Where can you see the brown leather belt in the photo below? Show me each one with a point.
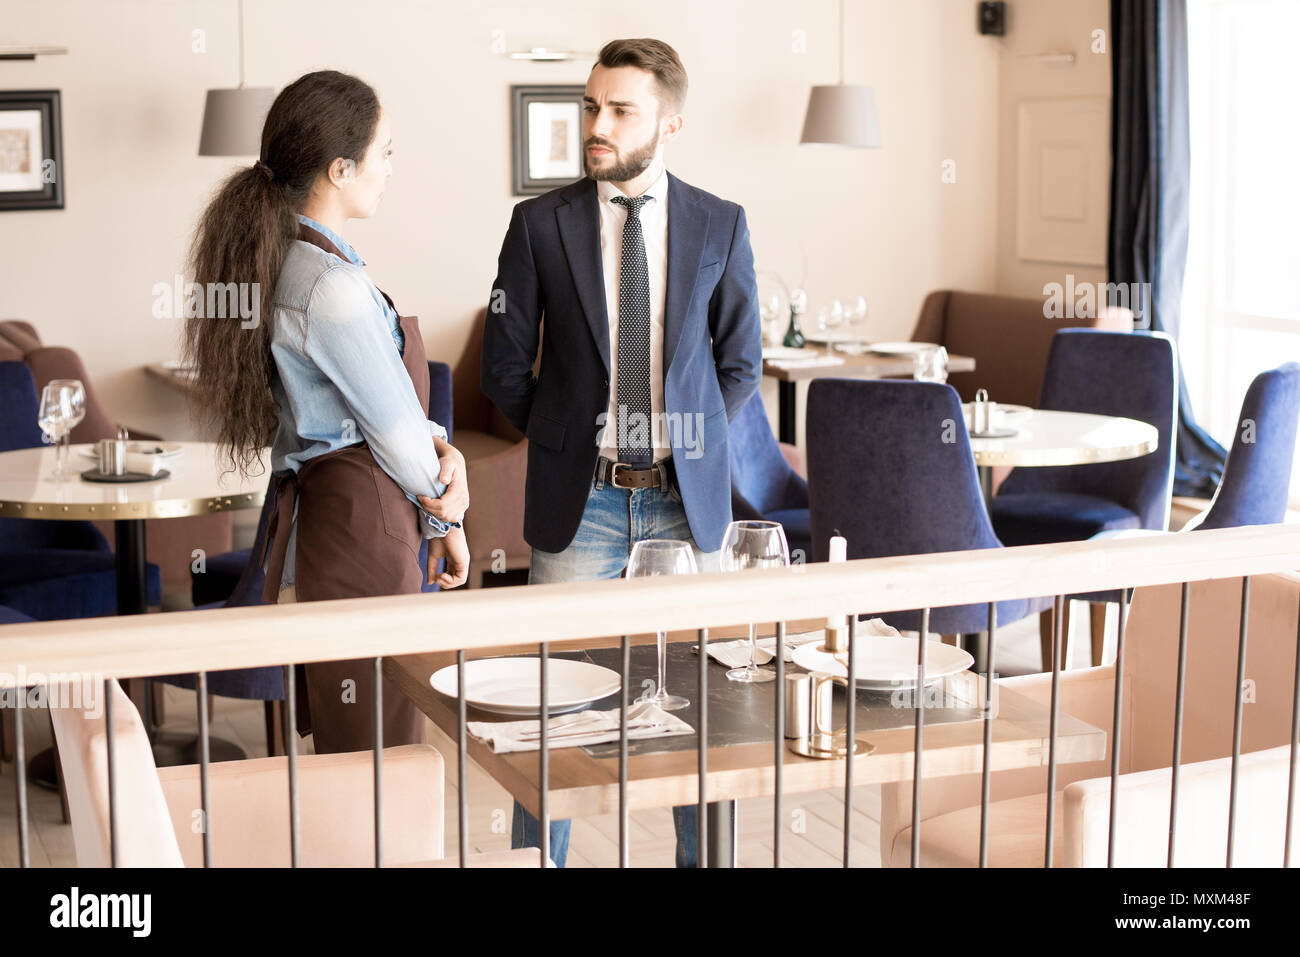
(622, 475)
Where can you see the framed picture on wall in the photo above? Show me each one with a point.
(31, 150)
(546, 123)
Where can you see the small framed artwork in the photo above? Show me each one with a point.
(31, 150)
(546, 122)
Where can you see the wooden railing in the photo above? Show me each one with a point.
(527, 614)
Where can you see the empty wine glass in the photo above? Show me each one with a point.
(62, 408)
(753, 545)
(658, 556)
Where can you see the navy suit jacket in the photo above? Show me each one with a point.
(550, 291)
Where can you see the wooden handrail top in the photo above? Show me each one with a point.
(184, 642)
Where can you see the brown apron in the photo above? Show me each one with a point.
(358, 536)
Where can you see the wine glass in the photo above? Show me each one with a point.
(857, 318)
(62, 408)
(658, 556)
(753, 545)
(930, 364)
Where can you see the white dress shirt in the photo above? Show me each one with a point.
(654, 229)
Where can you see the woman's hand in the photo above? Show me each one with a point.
(454, 502)
(452, 547)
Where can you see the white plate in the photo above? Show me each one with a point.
(169, 449)
(884, 664)
(834, 335)
(899, 348)
(787, 353)
(512, 685)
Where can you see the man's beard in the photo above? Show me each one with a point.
(632, 165)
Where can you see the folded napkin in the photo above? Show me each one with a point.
(644, 720)
(143, 464)
(735, 654)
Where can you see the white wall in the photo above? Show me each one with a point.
(879, 222)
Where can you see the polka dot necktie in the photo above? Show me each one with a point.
(633, 385)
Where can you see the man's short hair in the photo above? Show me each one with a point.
(653, 56)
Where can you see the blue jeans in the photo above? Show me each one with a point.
(612, 522)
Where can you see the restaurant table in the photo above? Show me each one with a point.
(197, 485)
(183, 380)
(663, 772)
(1044, 437)
(869, 365)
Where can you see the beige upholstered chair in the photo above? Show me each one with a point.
(950, 816)
(159, 819)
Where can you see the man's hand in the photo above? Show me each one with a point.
(453, 548)
(454, 502)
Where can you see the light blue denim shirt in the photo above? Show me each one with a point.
(339, 377)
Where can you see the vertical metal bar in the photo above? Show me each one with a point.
(986, 777)
(1295, 750)
(918, 702)
(1236, 719)
(291, 752)
(109, 743)
(544, 761)
(20, 775)
(850, 737)
(623, 856)
(379, 762)
(1178, 718)
(204, 761)
(778, 746)
(1058, 613)
(702, 693)
(1117, 726)
(462, 771)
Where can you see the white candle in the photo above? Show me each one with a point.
(839, 551)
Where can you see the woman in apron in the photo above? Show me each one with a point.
(324, 369)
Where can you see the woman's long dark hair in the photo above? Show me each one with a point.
(243, 237)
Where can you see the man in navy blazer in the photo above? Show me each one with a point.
(639, 291)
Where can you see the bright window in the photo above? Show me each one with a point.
(1241, 309)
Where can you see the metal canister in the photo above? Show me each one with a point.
(112, 456)
(798, 691)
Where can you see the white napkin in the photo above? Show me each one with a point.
(644, 720)
(820, 360)
(144, 464)
(735, 654)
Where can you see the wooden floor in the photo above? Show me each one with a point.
(814, 822)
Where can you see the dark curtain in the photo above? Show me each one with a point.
(1149, 193)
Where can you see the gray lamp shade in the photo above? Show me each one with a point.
(841, 115)
(232, 121)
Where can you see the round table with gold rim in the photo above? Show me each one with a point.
(1045, 437)
(198, 484)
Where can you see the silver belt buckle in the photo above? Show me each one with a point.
(613, 474)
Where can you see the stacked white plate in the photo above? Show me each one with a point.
(884, 664)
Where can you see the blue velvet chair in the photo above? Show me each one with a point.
(223, 572)
(1131, 374)
(763, 485)
(51, 569)
(1257, 475)
(887, 469)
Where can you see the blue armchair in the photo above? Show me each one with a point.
(763, 485)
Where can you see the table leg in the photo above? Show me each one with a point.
(787, 411)
(986, 486)
(724, 843)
